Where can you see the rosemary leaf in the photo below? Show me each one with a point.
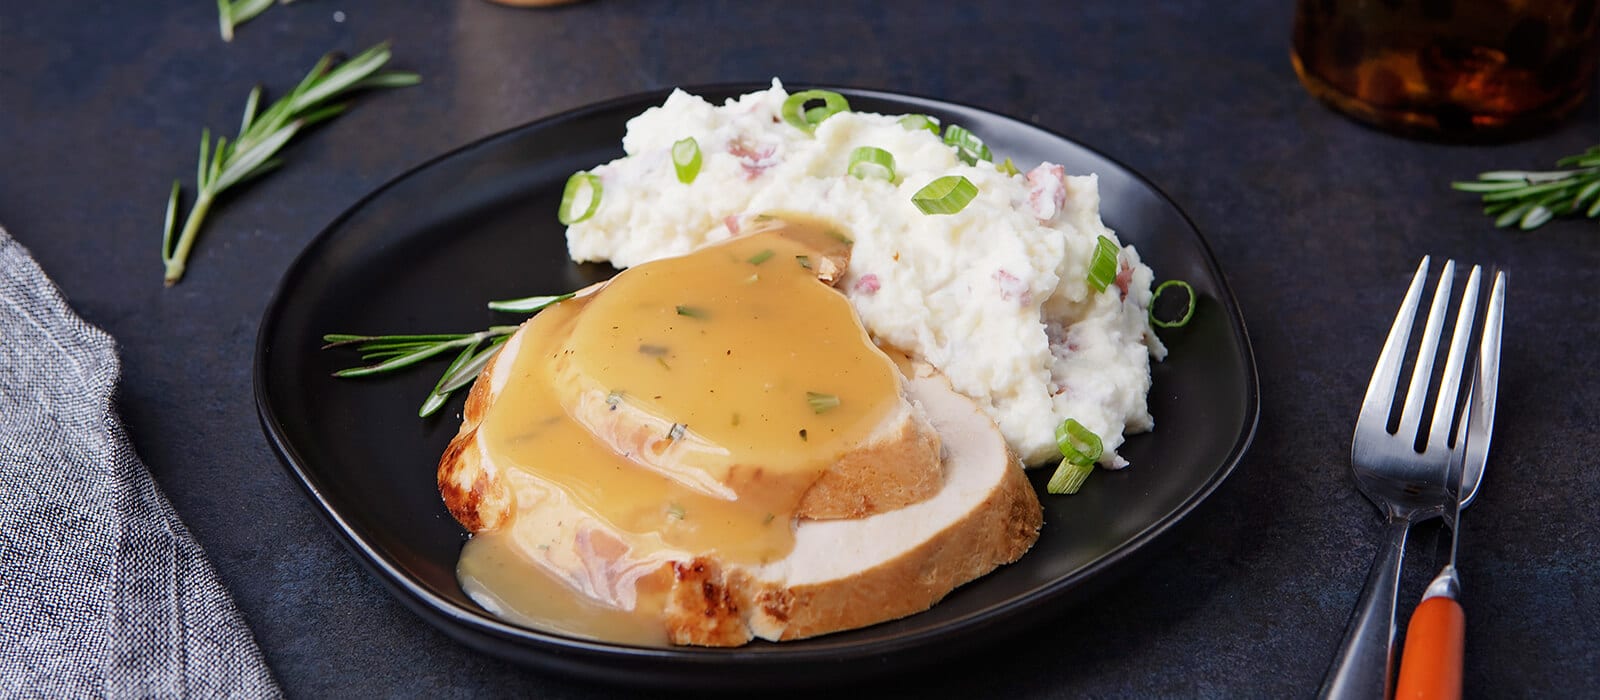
(241, 164)
(470, 370)
(527, 305)
(232, 14)
(436, 398)
(250, 105)
(263, 133)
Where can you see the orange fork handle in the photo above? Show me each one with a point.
(1430, 665)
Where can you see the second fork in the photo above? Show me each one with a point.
(1402, 471)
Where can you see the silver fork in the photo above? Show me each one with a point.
(1407, 485)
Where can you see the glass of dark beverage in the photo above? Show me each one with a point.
(1468, 70)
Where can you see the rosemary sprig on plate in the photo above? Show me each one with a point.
(262, 134)
(1529, 199)
(388, 353)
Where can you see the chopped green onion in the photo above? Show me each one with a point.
(583, 190)
(945, 195)
(1008, 168)
(869, 161)
(686, 159)
(804, 260)
(1077, 443)
(1068, 478)
(913, 122)
(761, 257)
(1103, 266)
(677, 431)
(821, 403)
(1080, 448)
(613, 398)
(527, 305)
(839, 236)
(795, 112)
(691, 312)
(675, 511)
(1188, 311)
(969, 148)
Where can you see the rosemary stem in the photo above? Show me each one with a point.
(191, 229)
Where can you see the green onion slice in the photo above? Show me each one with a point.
(945, 195)
(686, 159)
(1188, 311)
(691, 311)
(821, 403)
(761, 257)
(913, 122)
(795, 111)
(1008, 168)
(1078, 444)
(1103, 266)
(969, 148)
(1068, 478)
(580, 198)
(869, 161)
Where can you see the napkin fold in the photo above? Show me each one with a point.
(103, 591)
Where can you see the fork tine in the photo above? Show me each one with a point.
(1488, 383)
(1444, 408)
(1386, 376)
(1411, 417)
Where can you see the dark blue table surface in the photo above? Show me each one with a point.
(1318, 223)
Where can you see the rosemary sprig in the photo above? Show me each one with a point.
(1529, 199)
(392, 352)
(261, 135)
(388, 353)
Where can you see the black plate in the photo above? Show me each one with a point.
(423, 254)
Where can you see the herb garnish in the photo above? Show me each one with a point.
(821, 403)
(261, 136)
(394, 352)
(1529, 199)
(761, 257)
(397, 351)
(691, 312)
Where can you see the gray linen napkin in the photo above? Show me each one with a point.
(103, 592)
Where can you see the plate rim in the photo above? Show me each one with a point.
(474, 628)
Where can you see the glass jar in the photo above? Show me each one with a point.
(1470, 70)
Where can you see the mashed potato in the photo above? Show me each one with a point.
(995, 295)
